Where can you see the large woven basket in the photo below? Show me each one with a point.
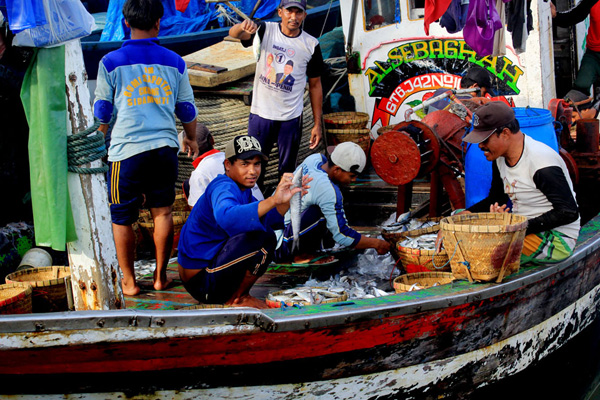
(421, 280)
(346, 120)
(49, 286)
(361, 137)
(15, 298)
(394, 237)
(484, 246)
(180, 203)
(146, 223)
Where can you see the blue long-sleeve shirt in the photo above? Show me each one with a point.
(223, 211)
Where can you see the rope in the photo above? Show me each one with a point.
(326, 16)
(450, 259)
(84, 148)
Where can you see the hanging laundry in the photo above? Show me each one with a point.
(499, 39)
(482, 23)
(181, 5)
(455, 16)
(519, 22)
(434, 9)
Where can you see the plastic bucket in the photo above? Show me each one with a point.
(35, 258)
(535, 122)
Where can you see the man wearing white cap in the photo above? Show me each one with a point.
(322, 212)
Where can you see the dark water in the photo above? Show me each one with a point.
(570, 373)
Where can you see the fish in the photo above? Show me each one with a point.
(256, 46)
(295, 205)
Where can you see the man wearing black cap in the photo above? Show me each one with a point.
(228, 240)
(276, 111)
(535, 179)
(475, 78)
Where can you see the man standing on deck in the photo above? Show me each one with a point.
(534, 177)
(323, 221)
(146, 85)
(276, 111)
(228, 240)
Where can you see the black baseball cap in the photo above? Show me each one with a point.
(487, 119)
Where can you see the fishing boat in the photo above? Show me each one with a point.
(319, 19)
(439, 342)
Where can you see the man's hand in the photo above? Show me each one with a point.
(495, 208)
(284, 191)
(315, 136)
(382, 246)
(553, 10)
(190, 147)
(249, 26)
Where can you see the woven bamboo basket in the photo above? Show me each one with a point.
(180, 203)
(430, 259)
(394, 237)
(361, 137)
(421, 280)
(49, 286)
(147, 224)
(384, 129)
(272, 303)
(15, 298)
(346, 120)
(484, 246)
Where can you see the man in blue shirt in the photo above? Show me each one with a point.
(323, 220)
(228, 240)
(145, 85)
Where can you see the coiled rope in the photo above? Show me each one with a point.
(84, 148)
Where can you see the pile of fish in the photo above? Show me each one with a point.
(354, 286)
(423, 242)
(146, 267)
(308, 295)
(405, 223)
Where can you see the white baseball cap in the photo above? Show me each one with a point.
(349, 156)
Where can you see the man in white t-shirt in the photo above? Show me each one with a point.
(534, 177)
(277, 105)
(206, 167)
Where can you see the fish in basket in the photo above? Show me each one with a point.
(407, 227)
(305, 296)
(420, 251)
(484, 246)
(421, 280)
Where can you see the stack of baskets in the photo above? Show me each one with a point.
(485, 246)
(417, 258)
(48, 287)
(348, 126)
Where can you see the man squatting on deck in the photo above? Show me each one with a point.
(228, 240)
(535, 179)
(323, 221)
(146, 85)
(287, 56)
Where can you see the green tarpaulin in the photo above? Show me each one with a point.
(44, 100)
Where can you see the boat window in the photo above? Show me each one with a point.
(416, 9)
(379, 13)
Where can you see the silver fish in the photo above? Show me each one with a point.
(256, 46)
(295, 204)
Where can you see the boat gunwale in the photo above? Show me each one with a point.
(291, 318)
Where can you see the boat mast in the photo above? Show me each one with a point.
(95, 275)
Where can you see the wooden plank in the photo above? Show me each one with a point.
(238, 60)
(205, 67)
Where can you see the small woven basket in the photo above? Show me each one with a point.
(421, 280)
(384, 129)
(430, 259)
(180, 203)
(361, 137)
(15, 298)
(394, 237)
(346, 120)
(272, 303)
(147, 224)
(49, 286)
(485, 246)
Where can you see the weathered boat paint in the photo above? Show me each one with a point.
(437, 341)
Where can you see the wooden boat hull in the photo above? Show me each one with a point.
(444, 340)
(319, 19)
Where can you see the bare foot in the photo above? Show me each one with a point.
(247, 301)
(131, 289)
(161, 282)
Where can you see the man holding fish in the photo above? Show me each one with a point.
(228, 240)
(276, 111)
(318, 219)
